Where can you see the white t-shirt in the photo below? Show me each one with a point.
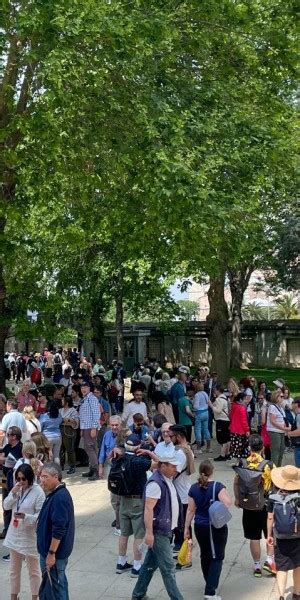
(13, 419)
(32, 426)
(131, 409)
(288, 403)
(153, 491)
(279, 413)
(182, 481)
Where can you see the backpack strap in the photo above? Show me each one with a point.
(212, 545)
(262, 465)
(178, 474)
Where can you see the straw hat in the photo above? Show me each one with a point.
(286, 478)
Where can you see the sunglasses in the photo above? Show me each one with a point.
(21, 478)
(11, 435)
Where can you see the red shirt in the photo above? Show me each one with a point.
(239, 419)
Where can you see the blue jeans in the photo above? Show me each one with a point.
(159, 556)
(201, 426)
(58, 576)
(297, 457)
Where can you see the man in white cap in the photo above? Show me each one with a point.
(161, 515)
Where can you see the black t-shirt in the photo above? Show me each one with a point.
(16, 451)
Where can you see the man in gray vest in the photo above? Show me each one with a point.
(161, 514)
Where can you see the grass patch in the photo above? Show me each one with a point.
(290, 376)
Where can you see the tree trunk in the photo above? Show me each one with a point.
(98, 330)
(238, 281)
(4, 316)
(119, 325)
(217, 322)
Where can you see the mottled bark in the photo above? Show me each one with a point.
(4, 317)
(98, 330)
(218, 326)
(238, 280)
(119, 325)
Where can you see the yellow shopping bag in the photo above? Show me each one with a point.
(185, 553)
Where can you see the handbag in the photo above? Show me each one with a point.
(219, 515)
(46, 591)
(184, 556)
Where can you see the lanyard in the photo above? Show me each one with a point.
(21, 500)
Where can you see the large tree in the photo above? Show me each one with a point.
(127, 129)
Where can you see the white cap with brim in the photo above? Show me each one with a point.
(279, 383)
(167, 454)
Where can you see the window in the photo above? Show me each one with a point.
(154, 349)
(198, 350)
(293, 351)
(248, 350)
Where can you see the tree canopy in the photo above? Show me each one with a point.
(140, 141)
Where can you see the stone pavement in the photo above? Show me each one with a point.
(91, 570)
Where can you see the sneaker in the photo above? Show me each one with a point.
(2, 535)
(228, 456)
(140, 597)
(257, 572)
(270, 567)
(123, 568)
(176, 550)
(6, 558)
(215, 597)
(135, 572)
(71, 471)
(117, 531)
(88, 473)
(180, 567)
(94, 476)
(219, 459)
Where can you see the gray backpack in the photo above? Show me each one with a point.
(251, 488)
(219, 514)
(286, 513)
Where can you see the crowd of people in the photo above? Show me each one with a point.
(70, 412)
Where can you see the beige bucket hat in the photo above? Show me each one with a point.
(286, 478)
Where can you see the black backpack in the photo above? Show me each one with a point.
(120, 479)
(251, 488)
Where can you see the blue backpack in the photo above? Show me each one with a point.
(286, 513)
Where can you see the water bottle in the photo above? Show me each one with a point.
(143, 548)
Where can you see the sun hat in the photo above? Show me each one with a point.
(286, 478)
(167, 454)
(280, 383)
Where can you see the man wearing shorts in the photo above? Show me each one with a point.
(255, 521)
(132, 509)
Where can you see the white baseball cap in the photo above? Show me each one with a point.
(167, 454)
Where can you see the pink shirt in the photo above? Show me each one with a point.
(25, 400)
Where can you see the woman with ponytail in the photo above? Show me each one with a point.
(29, 457)
(212, 554)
